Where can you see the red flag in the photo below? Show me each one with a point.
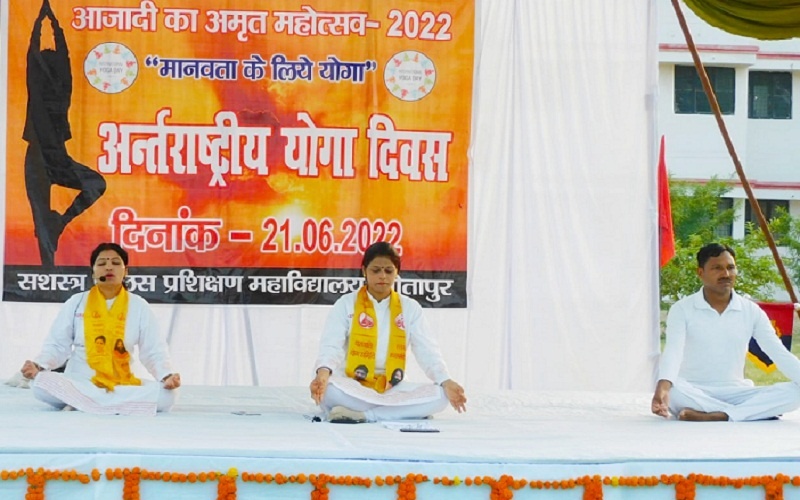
(781, 315)
(666, 234)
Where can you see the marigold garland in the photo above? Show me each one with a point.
(501, 488)
(226, 487)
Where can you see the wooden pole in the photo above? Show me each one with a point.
(712, 99)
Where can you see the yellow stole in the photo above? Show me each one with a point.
(363, 342)
(104, 330)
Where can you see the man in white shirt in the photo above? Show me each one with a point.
(701, 371)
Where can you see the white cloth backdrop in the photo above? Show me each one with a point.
(562, 232)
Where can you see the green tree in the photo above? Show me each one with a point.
(786, 231)
(696, 217)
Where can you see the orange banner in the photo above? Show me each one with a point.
(224, 139)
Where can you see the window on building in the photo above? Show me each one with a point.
(770, 209)
(724, 230)
(690, 97)
(770, 95)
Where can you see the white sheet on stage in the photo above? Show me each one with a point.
(405, 393)
(533, 435)
(85, 396)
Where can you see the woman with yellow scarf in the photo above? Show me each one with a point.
(362, 357)
(95, 333)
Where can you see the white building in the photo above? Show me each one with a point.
(757, 84)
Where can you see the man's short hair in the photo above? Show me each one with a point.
(712, 250)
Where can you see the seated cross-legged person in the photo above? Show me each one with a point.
(95, 334)
(701, 372)
(361, 363)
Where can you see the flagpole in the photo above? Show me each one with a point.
(712, 99)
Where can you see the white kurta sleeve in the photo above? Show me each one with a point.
(423, 343)
(333, 341)
(672, 356)
(57, 347)
(153, 351)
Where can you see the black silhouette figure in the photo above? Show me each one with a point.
(47, 163)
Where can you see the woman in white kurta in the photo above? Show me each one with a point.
(83, 387)
(339, 386)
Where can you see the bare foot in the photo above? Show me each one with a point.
(343, 415)
(691, 415)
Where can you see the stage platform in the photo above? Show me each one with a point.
(530, 445)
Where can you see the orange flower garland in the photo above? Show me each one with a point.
(407, 488)
(321, 489)
(130, 488)
(501, 488)
(592, 487)
(35, 486)
(226, 488)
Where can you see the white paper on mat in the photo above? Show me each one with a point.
(409, 425)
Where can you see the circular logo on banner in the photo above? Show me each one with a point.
(409, 75)
(111, 67)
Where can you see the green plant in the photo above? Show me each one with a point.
(787, 234)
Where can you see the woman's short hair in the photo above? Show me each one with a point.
(102, 247)
(381, 249)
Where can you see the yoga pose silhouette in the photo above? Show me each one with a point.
(47, 163)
